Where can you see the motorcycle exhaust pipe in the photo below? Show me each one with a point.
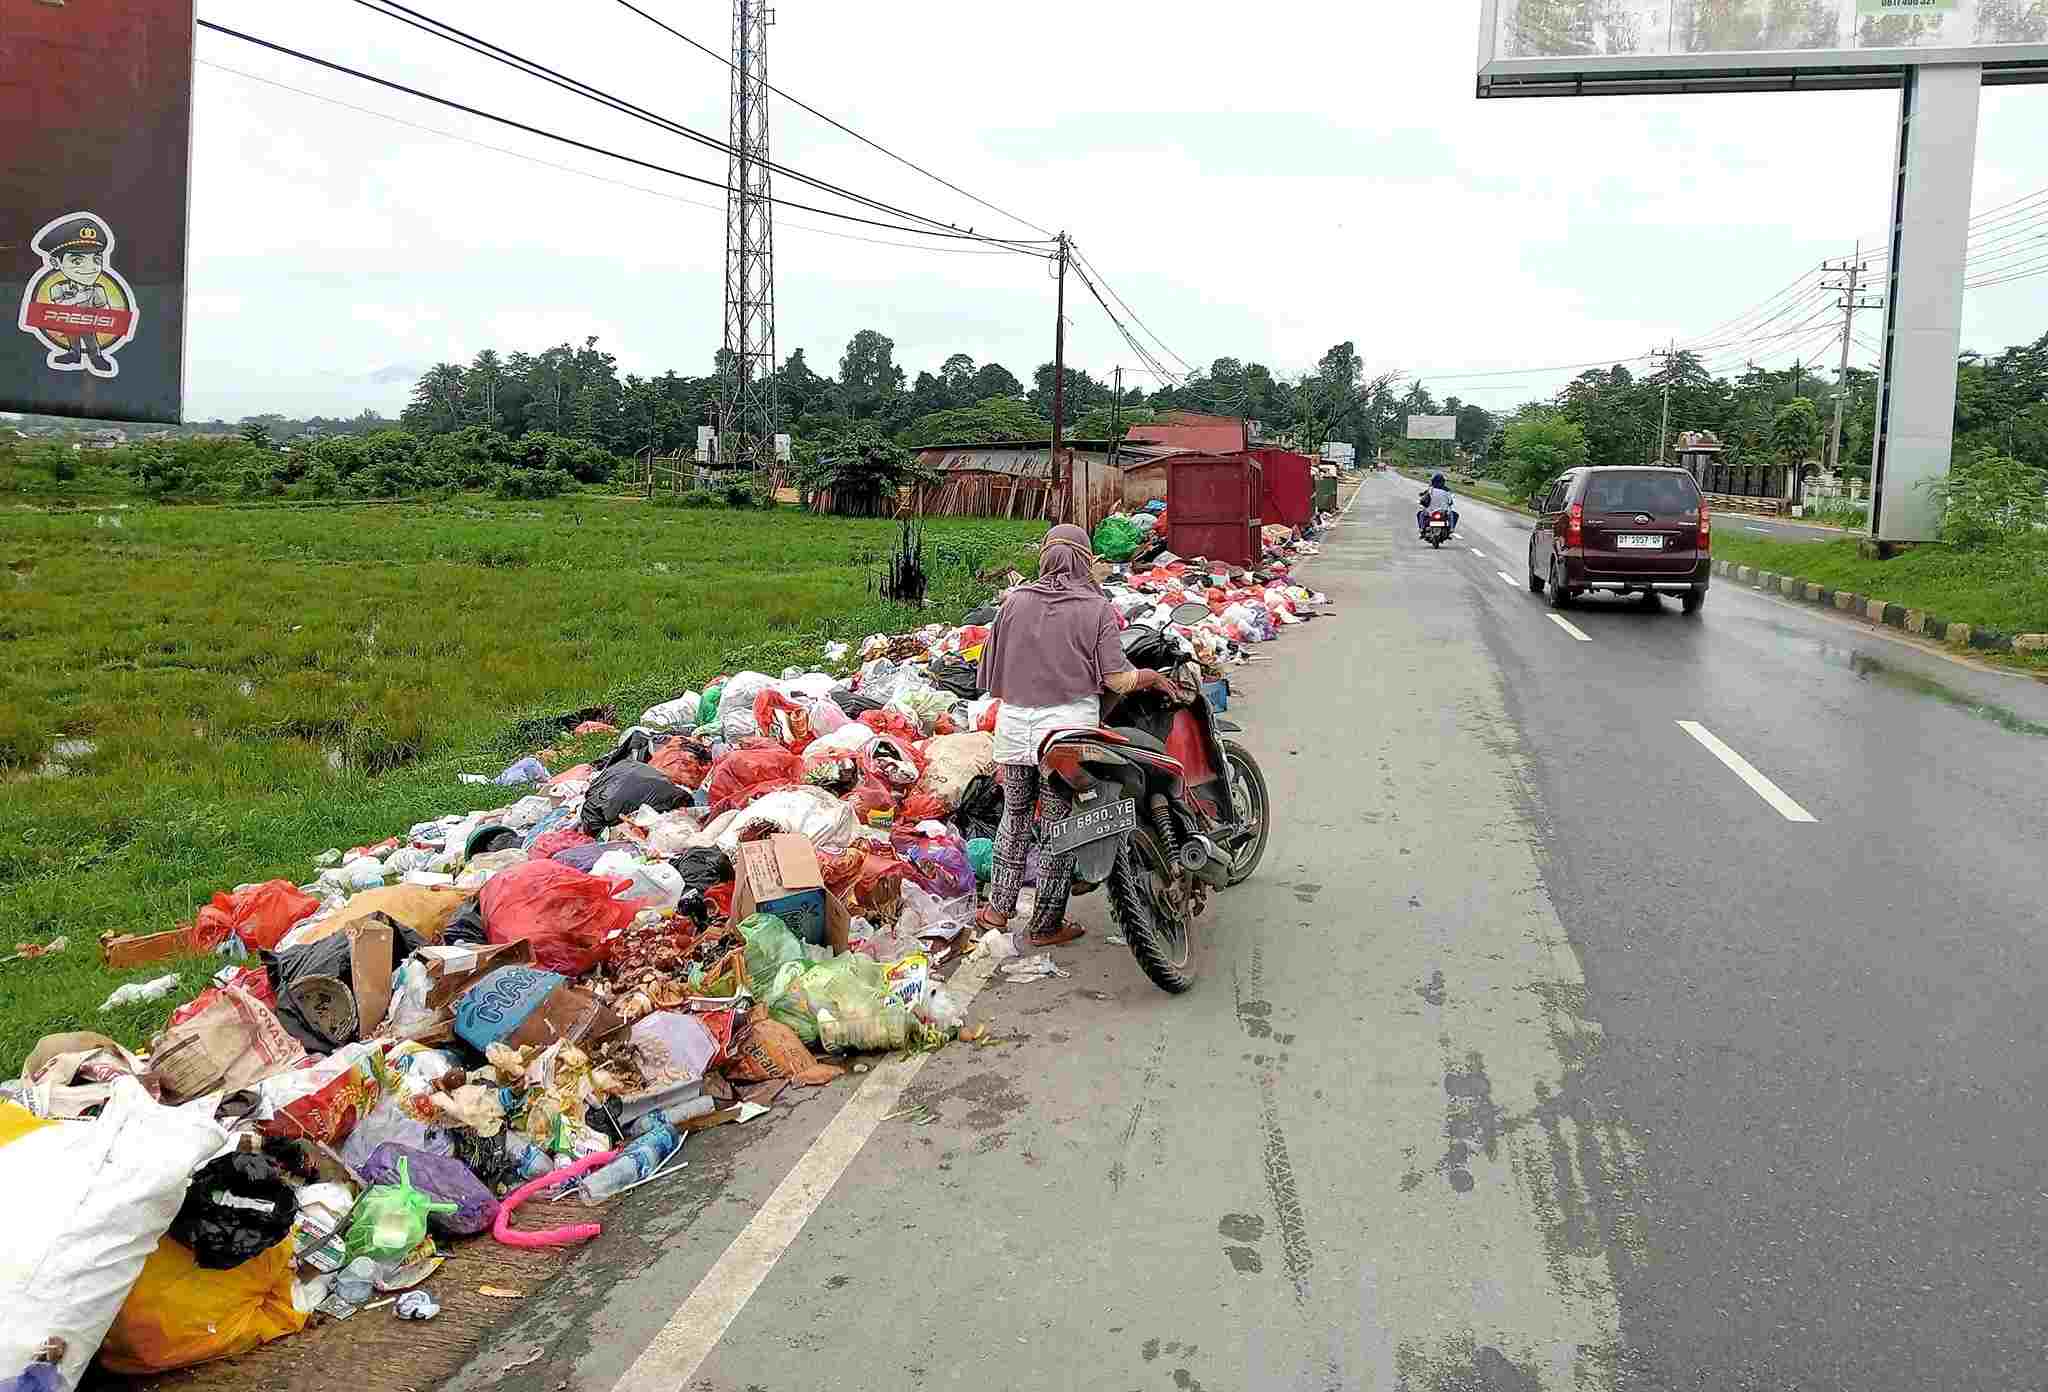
(1206, 861)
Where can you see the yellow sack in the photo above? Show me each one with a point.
(16, 1122)
(426, 909)
(179, 1313)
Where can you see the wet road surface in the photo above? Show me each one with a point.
(1545, 1051)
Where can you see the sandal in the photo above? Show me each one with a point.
(990, 919)
(1029, 939)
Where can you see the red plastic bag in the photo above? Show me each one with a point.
(783, 720)
(890, 722)
(756, 762)
(549, 844)
(258, 915)
(323, 1099)
(895, 762)
(683, 762)
(565, 914)
(987, 724)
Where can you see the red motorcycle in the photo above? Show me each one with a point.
(1166, 810)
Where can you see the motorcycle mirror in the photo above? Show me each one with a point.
(1190, 613)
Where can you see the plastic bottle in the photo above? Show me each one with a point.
(865, 1027)
(654, 1144)
(529, 1160)
(357, 1281)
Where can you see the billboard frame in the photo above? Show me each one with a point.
(1763, 70)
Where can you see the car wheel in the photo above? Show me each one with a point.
(1535, 581)
(1560, 597)
(1693, 600)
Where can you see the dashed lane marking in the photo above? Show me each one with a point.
(1747, 772)
(1569, 627)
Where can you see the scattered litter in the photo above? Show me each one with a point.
(28, 951)
(500, 1293)
(525, 1360)
(1032, 968)
(1116, 940)
(140, 991)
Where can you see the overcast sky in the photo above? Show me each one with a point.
(1259, 182)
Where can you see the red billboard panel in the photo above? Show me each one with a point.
(95, 160)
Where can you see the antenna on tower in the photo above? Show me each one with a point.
(746, 394)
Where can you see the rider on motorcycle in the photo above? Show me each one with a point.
(1436, 496)
(1054, 648)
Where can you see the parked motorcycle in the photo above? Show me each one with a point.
(1165, 811)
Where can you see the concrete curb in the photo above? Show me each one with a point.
(1878, 611)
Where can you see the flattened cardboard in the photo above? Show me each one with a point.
(369, 972)
(781, 865)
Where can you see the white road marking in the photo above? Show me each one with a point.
(1747, 528)
(1747, 772)
(1477, 552)
(1569, 627)
(1505, 576)
(682, 1345)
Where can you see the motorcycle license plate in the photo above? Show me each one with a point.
(1629, 542)
(1096, 824)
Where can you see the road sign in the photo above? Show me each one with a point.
(93, 204)
(1581, 47)
(1432, 427)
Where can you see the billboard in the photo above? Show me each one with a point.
(1587, 47)
(95, 161)
(1432, 427)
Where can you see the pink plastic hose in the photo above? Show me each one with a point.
(503, 1230)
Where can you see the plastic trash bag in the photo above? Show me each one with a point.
(981, 854)
(473, 1208)
(180, 1313)
(770, 946)
(684, 760)
(92, 1200)
(679, 714)
(951, 763)
(623, 789)
(736, 705)
(783, 719)
(1116, 540)
(564, 913)
(257, 914)
(812, 813)
(848, 741)
(649, 884)
(390, 1219)
(939, 864)
(755, 765)
(238, 1207)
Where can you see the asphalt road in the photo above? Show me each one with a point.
(1776, 530)
(1545, 1051)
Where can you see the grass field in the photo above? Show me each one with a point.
(2003, 587)
(261, 683)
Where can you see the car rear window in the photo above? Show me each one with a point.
(1649, 490)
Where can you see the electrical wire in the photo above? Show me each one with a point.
(835, 123)
(1127, 309)
(461, 38)
(466, 109)
(780, 226)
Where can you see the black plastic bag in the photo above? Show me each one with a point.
(981, 808)
(703, 870)
(238, 1207)
(957, 676)
(624, 789)
(467, 927)
(854, 704)
(635, 746)
(331, 957)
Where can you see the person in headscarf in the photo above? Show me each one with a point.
(1055, 647)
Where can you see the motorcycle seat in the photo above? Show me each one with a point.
(1140, 738)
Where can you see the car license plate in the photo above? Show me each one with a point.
(1097, 824)
(1634, 542)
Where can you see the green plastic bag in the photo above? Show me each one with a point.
(770, 946)
(789, 1005)
(981, 854)
(391, 1219)
(707, 709)
(1117, 540)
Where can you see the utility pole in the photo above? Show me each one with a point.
(1664, 430)
(1063, 464)
(1851, 301)
(746, 390)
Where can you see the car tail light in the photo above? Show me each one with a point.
(1706, 527)
(1574, 525)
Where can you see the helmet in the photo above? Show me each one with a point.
(1436, 481)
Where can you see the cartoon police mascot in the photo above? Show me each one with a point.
(78, 306)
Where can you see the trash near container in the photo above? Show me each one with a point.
(1213, 508)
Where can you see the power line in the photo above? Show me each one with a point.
(585, 173)
(585, 146)
(837, 124)
(497, 53)
(1128, 310)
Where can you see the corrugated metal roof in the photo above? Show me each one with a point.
(1018, 461)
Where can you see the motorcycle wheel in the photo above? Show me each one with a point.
(1150, 909)
(1248, 784)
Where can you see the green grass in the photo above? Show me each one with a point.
(2004, 587)
(219, 658)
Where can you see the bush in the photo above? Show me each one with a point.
(738, 492)
(1989, 495)
(533, 483)
(471, 457)
(583, 461)
(1540, 448)
(702, 498)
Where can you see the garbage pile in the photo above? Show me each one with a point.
(756, 881)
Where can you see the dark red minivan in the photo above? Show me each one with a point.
(1638, 530)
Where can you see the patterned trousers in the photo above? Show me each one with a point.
(1022, 793)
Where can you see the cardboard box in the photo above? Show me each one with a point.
(370, 946)
(137, 949)
(781, 876)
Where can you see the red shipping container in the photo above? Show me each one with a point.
(1290, 497)
(1214, 507)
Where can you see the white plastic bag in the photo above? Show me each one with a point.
(654, 884)
(736, 705)
(90, 1200)
(849, 739)
(812, 813)
(679, 714)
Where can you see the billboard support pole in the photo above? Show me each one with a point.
(1930, 234)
